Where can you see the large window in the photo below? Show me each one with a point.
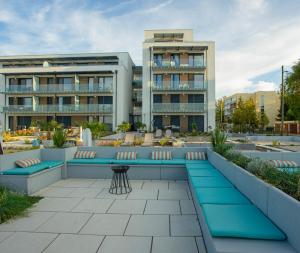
(23, 121)
(196, 120)
(196, 98)
(157, 122)
(158, 81)
(105, 82)
(158, 60)
(196, 60)
(105, 100)
(175, 59)
(175, 81)
(64, 120)
(196, 81)
(175, 121)
(157, 98)
(66, 82)
(175, 98)
(26, 101)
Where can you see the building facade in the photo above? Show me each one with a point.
(267, 102)
(178, 81)
(68, 88)
(175, 87)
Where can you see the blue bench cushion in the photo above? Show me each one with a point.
(125, 161)
(33, 169)
(197, 162)
(138, 162)
(214, 182)
(203, 172)
(176, 161)
(91, 161)
(199, 166)
(242, 221)
(220, 196)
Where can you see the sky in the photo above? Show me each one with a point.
(253, 37)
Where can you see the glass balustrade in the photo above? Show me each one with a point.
(178, 107)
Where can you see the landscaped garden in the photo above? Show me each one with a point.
(284, 180)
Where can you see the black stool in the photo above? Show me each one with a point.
(120, 182)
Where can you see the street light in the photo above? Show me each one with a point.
(283, 80)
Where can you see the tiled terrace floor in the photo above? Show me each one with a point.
(79, 215)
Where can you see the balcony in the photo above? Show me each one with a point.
(137, 110)
(59, 88)
(137, 84)
(179, 86)
(166, 65)
(83, 108)
(178, 108)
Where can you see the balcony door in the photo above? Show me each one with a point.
(196, 60)
(158, 81)
(196, 81)
(66, 83)
(105, 83)
(157, 122)
(196, 120)
(158, 58)
(175, 60)
(175, 81)
(91, 83)
(196, 98)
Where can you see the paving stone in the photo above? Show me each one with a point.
(84, 193)
(143, 194)
(4, 235)
(156, 185)
(125, 244)
(178, 185)
(106, 195)
(136, 184)
(93, 205)
(26, 223)
(128, 206)
(162, 207)
(65, 223)
(56, 204)
(173, 194)
(74, 182)
(101, 183)
(174, 245)
(106, 224)
(26, 242)
(148, 225)
(187, 207)
(200, 245)
(75, 244)
(55, 192)
(185, 225)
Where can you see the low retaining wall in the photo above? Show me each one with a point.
(292, 156)
(282, 209)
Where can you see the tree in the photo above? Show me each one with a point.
(220, 112)
(244, 117)
(263, 120)
(293, 92)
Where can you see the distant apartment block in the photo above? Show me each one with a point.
(69, 88)
(175, 87)
(178, 81)
(267, 102)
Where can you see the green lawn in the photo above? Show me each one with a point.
(13, 204)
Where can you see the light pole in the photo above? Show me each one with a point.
(282, 100)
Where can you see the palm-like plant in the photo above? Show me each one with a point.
(59, 138)
(218, 141)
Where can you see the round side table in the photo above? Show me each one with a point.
(120, 182)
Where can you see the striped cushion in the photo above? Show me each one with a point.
(283, 164)
(126, 155)
(85, 155)
(27, 162)
(195, 156)
(161, 155)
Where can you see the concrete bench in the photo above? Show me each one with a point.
(31, 179)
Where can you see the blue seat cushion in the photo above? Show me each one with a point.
(32, 169)
(197, 162)
(204, 172)
(214, 182)
(91, 161)
(241, 221)
(199, 166)
(220, 196)
(144, 161)
(125, 161)
(176, 161)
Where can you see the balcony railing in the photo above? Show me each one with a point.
(179, 86)
(137, 110)
(178, 107)
(166, 64)
(60, 88)
(83, 108)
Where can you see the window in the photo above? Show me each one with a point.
(105, 100)
(90, 100)
(49, 100)
(23, 121)
(64, 120)
(10, 100)
(175, 121)
(196, 81)
(50, 80)
(175, 59)
(196, 120)
(196, 60)
(27, 82)
(26, 101)
(175, 98)
(157, 98)
(105, 82)
(175, 81)
(158, 80)
(66, 82)
(196, 98)
(157, 122)
(158, 60)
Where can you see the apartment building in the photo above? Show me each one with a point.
(69, 88)
(267, 102)
(178, 81)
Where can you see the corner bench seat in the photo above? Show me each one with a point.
(91, 161)
(214, 182)
(33, 169)
(203, 172)
(241, 221)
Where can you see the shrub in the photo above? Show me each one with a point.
(237, 158)
(98, 129)
(138, 141)
(59, 138)
(164, 141)
(124, 127)
(275, 143)
(257, 166)
(218, 141)
(27, 141)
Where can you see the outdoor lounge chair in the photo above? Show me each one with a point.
(148, 140)
(158, 133)
(168, 133)
(129, 139)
